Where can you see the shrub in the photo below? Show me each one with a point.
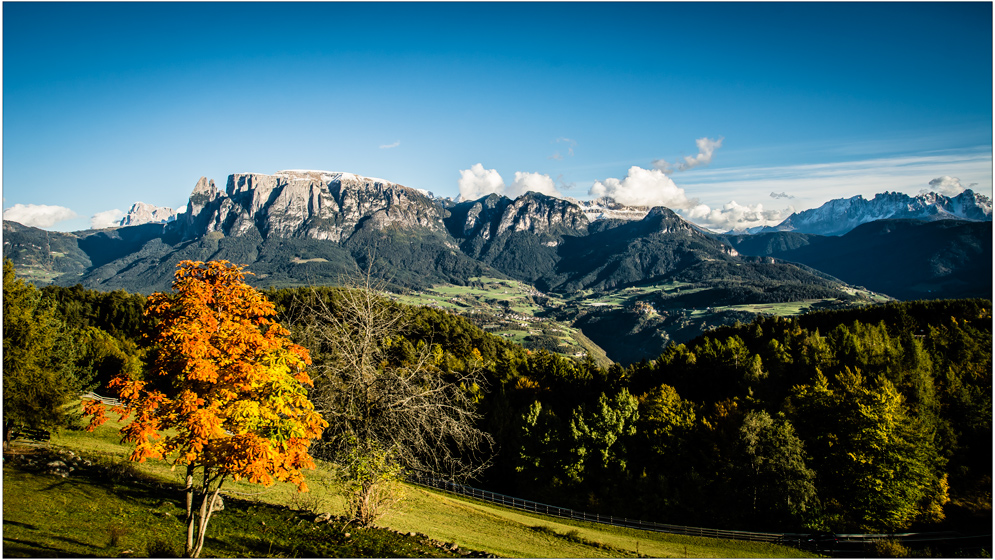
(114, 535)
(887, 548)
(160, 548)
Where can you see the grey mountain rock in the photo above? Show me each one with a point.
(495, 216)
(305, 204)
(142, 213)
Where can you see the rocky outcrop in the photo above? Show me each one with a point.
(305, 204)
(142, 213)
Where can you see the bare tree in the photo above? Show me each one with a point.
(385, 397)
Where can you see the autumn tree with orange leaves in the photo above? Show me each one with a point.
(226, 392)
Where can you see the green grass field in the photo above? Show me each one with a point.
(127, 509)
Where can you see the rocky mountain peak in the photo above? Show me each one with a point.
(142, 213)
(607, 208)
(538, 213)
(535, 213)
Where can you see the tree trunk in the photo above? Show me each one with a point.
(190, 516)
(206, 509)
(8, 435)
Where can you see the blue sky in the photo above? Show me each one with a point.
(694, 106)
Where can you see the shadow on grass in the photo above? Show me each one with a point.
(19, 524)
(143, 491)
(258, 546)
(23, 549)
(74, 541)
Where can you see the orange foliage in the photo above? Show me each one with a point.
(226, 383)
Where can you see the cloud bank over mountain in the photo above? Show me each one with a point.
(38, 215)
(946, 185)
(644, 187)
(106, 219)
(478, 182)
(735, 217)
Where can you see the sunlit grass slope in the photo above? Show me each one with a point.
(507, 532)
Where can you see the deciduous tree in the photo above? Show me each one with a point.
(38, 352)
(226, 394)
(389, 403)
(769, 472)
(878, 464)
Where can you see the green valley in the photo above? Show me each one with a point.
(636, 322)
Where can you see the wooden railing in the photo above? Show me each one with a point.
(827, 543)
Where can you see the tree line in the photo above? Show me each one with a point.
(872, 420)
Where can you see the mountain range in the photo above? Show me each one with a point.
(298, 227)
(842, 215)
(315, 227)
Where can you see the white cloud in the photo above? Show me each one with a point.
(389, 146)
(38, 215)
(706, 149)
(525, 182)
(106, 219)
(780, 195)
(735, 217)
(477, 182)
(644, 187)
(946, 185)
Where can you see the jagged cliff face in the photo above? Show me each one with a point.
(532, 212)
(305, 204)
(332, 206)
(841, 215)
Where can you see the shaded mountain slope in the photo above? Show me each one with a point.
(906, 259)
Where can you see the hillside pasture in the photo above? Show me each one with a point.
(120, 508)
